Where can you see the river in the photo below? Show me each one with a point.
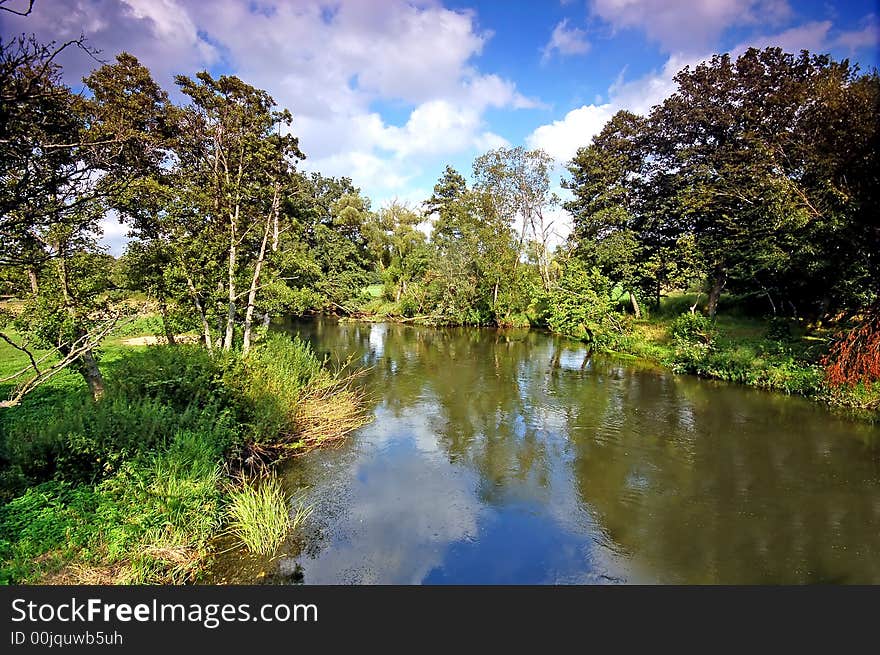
(504, 456)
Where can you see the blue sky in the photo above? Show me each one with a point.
(388, 92)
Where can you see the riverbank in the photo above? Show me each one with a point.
(776, 355)
(139, 487)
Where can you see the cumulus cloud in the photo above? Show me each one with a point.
(330, 63)
(159, 32)
(866, 37)
(561, 138)
(688, 25)
(566, 41)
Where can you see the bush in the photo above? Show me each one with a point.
(156, 515)
(131, 483)
(694, 328)
(179, 376)
(580, 306)
(275, 374)
(84, 441)
(409, 305)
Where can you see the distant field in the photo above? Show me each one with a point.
(375, 290)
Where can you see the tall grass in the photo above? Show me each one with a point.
(134, 488)
(150, 522)
(260, 515)
(297, 403)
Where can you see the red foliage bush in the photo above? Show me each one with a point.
(855, 355)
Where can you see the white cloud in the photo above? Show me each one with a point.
(566, 41)
(866, 37)
(818, 36)
(563, 137)
(330, 64)
(160, 33)
(811, 36)
(113, 234)
(688, 25)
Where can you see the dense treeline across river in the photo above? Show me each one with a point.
(729, 233)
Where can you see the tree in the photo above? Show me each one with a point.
(758, 151)
(608, 228)
(66, 161)
(232, 153)
(757, 174)
(516, 182)
(400, 249)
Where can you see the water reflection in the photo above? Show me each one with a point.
(512, 457)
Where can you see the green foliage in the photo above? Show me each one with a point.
(778, 329)
(579, 305)
(156, 513)
(47, 517)
(84, 441)
(753, 176)
(694, 328)
(132, 485)
(177, 376)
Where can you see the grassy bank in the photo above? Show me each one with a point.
(136, 487)
(777, 355)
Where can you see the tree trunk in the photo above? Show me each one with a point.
(719, 279)
(88, 366)
(770, 298)
(495, 295)
(230, 311)
(92, 374)
(206, 329)
(32, 276)
(252, 293)
(169, 333)
(635, 304)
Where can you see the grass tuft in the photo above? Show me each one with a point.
(260, 515)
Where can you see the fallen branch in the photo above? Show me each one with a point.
(85, 343)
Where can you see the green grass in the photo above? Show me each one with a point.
(133, 488)
(260, 515)
(774, 355)
(151, 521)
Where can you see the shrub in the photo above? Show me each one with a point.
(409, 305)
(274, 376)
(693, 329)
(580, 306)
(179, 376)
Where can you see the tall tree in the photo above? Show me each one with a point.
(67, 160)
(233, 153)
(517, 183)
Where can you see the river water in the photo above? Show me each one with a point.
(513, 457)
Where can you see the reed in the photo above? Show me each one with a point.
(259, 515)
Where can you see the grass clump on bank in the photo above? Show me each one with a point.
(134, 488)
(261, 515)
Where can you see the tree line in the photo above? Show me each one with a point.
(757, 176)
